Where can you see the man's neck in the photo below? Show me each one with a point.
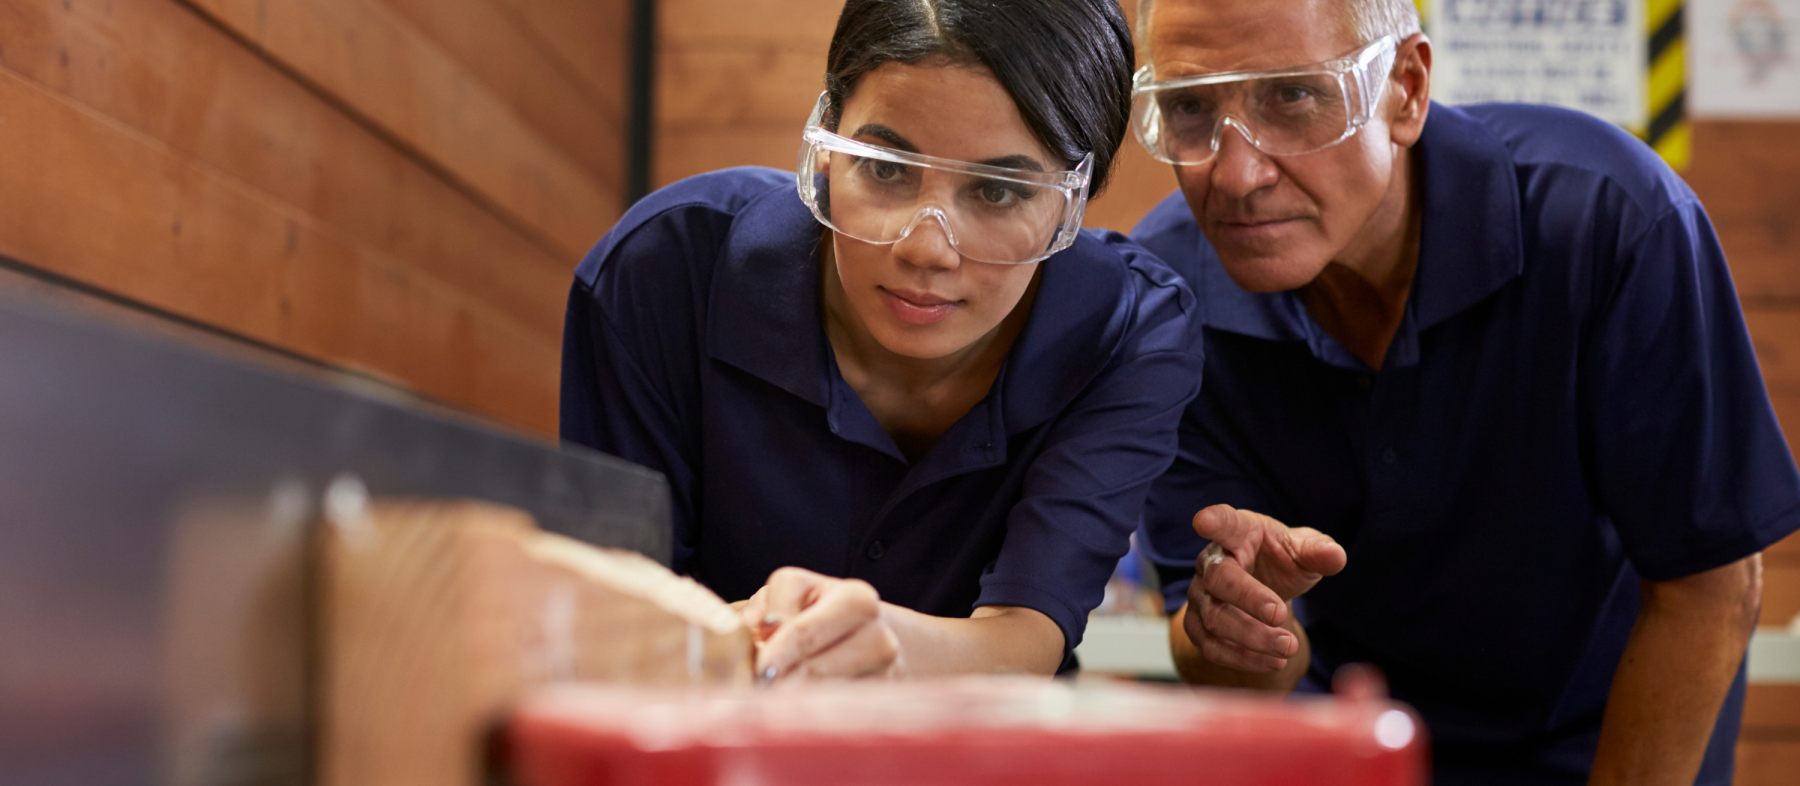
(1360, 297)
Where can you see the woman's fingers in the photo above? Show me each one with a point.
(833, 610)
(871, 651)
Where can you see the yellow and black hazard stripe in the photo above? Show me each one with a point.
(1669, 131)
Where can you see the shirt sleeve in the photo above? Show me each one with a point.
(1687, 456)
(631, 346)
(1084, 492)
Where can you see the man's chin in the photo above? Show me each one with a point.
(1255, 273)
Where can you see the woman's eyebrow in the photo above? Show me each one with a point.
(892, 137)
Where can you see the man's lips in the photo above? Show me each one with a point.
(918, 308)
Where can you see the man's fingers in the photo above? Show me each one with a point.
(840, 608)
(1224, 621)
(1315, 551)
(870, 651)
(1233, 656)
(1229, 582)
(1224, 524)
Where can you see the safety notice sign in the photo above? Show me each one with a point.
(1582, 54)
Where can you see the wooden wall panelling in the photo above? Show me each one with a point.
(98, 201)
(586, 124)
(1769, 743)
(1747, 174)
(748, 20)
(370, 59)
(154, 66)
(589, 37)
(735, 81)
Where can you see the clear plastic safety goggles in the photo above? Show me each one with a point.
(989, 213)
(1282, 111)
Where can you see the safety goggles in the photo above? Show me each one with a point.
(988, 213)
(1282, 111)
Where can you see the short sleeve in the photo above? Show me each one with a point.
(1688, 459)
(1084, 492)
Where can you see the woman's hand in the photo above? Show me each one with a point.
(813, 626)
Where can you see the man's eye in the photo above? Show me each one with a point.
(1187, 107)
(1292, 94)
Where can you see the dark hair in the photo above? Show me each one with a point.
(1066, 63)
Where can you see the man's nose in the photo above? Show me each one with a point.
(1240, 169)
(927, 242)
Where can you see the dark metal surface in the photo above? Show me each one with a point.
(153, 504)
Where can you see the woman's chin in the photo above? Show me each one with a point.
(922, 342)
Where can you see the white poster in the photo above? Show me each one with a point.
(1744, 58)
(1582, 54)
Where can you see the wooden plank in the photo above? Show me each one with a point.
(687, 152)
(586, 124)
(590, 38)
(1781, 593)
(1747, 174)
(1767, 762)
(98, 202)
(727, 85)
(438, 614)
(1772, 708)
(367, 57)
(164, 72)
(740, 20)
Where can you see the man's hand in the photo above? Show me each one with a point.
(810, 625)
(1237, 614)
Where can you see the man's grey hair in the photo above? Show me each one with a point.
(1367, 19)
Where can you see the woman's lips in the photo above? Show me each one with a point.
(918, 308)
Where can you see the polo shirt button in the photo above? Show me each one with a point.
(1389, 456)
(876, 550)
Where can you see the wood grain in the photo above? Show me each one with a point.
(723, 85)
(1747, 174)
(385, 71)
(101, 203)
(508, 58)
(747, 20)
(1772, 707)
(437, 614)
(589, 37)
(155, 67)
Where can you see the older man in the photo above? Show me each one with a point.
(1479, 408)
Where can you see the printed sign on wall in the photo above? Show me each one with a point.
(1746, 60)
(1583, 54)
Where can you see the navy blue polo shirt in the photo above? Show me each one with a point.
(1570, 403)
(695, 345)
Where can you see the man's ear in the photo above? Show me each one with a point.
(1409, 89)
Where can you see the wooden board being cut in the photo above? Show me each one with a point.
(436, 615)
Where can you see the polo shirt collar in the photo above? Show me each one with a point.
(1470, 245)
(764, 318)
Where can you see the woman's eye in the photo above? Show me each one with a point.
(886, 171)
(995, 194)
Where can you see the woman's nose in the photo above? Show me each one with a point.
(927, 242)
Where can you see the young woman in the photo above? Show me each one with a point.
(908, 410)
